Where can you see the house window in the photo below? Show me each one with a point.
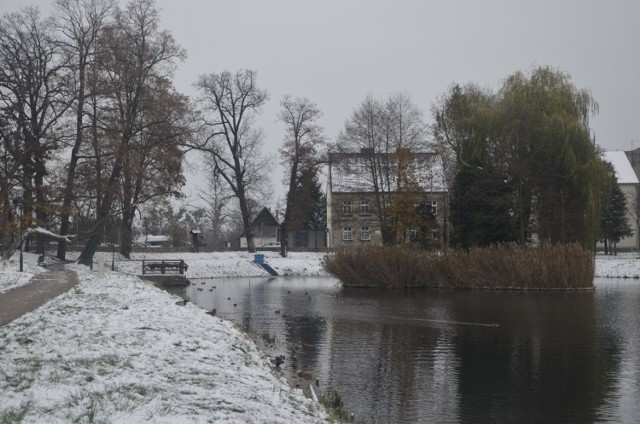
(435, 235)
(346, 234)
(434, 207)
(346, 207)
(365, 234)
(365, 208)
(413, 234)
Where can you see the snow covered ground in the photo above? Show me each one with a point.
(118, 349)
(624, 265)
(10, 275)
(231, 264)
(239, 264)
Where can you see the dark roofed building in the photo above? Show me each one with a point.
(266, 229)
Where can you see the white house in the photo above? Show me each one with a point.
(628, 183)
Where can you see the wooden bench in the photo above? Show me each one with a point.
(164, 265)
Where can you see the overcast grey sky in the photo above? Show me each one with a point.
(335, 52)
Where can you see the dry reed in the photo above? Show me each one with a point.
(509, 266)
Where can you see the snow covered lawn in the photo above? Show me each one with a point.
(118, 349)
(624, 265)
(10, 275)
(231, 264)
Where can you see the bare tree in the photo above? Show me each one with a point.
(217, 197)
(34, 96)
(153, 167)
(230, 103)
(385, 133)
(80, 22)
(9, 167)
(302, 152)
(133, 54)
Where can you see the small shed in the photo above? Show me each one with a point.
(194, 238)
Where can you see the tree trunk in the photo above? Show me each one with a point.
(71, 171)
(246, 222)
(126, 232)
(128, 212)
(86, 256)
(284, 239)
(41, 213)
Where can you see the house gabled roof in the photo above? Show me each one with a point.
(622, 166)
(265, 217)
(349, 172)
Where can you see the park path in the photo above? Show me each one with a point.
(42, 288)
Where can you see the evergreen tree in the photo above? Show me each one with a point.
(310, 210)
(480, 208)
(317, 219)
(614, 225)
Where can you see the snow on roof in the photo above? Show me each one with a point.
(622, 166)
(150, 238)
(350, 172)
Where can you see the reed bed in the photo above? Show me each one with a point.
(509, 266)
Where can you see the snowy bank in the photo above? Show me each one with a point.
(240, 264)
(624, 265)
(118, 349)
(231, 264)
(10, 275)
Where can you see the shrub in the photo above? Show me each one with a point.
(560, 266)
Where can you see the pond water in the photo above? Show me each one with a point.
(399, 356)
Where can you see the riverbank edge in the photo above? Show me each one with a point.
(195, 313)
(255, 339)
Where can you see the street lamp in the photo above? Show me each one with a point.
(17, 204)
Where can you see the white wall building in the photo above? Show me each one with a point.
(628, 183)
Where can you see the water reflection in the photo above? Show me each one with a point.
(451, 356)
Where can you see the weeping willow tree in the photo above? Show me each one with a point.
(535, 133)
(556, 165)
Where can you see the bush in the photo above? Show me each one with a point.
(560, 266)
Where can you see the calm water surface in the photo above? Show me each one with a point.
(451, 356)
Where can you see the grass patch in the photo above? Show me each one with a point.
(99, 406)
(510, 266)
(15, 415)
(332, 401)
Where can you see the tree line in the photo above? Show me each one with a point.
(524, 166)
(93, 135)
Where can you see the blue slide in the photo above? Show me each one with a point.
(258, 259)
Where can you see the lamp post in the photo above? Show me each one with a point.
(17, 203)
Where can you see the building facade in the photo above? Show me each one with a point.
(266, 230)
(626, 166)
(365, 189)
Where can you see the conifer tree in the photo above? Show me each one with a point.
(614, 225)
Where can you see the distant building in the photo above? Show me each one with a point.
(266, 230)
(153, 241)
(353, 209)
(628, 182)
